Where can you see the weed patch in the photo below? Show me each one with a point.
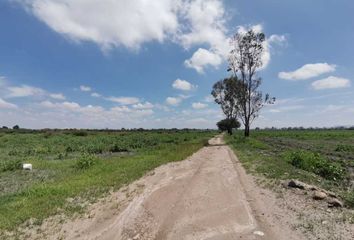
(86, 161)
(314, 162)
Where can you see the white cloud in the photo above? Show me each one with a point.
(97, 95)
(330, 83)
(132, 112)
(173, 101)
(24, 91)
(209, 98)
(58, 96)
(198, 105)
(146, 105)
(63, 105)
(182, 85)
(112, 22)
(207, 27)
(84, 88)
(277, 39)
(29, 91)
(202, 58)
(6, 105)
(124, 100)
(308, 71)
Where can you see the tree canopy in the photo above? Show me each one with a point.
(228, 124)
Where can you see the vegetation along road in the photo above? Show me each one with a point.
(203, 197)
(100, 190)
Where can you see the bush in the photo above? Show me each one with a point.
(349, 199)
(86, 161)
(69, 149)
(80, 133)
(117, 148)
(344, 148)
(93, 149)
(314, 162)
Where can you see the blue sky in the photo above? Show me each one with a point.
(113, 63)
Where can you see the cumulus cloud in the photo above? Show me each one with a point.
(202, 58)
(114, 23)
(182, 85)
(308, 71)
(209, 98)
(97, 95)
(63, 105)
(7, 105)
(124, 100)
(58, 96)
(24, 91)
(277, 39)
(146, 105)
(111, 23)
(130, 24)
(84, 88)
(30, 91)
(199, 105)
(331, 83)
(173, 101)
(207, 24)
(207, 21)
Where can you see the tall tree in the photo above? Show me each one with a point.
(245, 60)
(225, 94)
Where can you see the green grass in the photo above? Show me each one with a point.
(321, 157)
(82, 166)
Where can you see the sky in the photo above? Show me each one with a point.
(152, 64)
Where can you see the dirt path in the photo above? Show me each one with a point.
(202, 197)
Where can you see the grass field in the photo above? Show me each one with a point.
(321, 157)
(79, 164)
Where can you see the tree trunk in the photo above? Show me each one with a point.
(229, 131)
(247, 130)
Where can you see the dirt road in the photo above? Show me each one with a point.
(202, 197)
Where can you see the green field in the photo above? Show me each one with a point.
(321, 157)
(79, 164)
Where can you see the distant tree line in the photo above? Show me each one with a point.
(78, 132)
(305, 128)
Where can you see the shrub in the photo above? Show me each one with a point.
(117, 148)
(349, 199)
(86, 161)
(80, 133)
(205, 142)
(69, 149)
(344, 148)
(93, 149)
(314, 162)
